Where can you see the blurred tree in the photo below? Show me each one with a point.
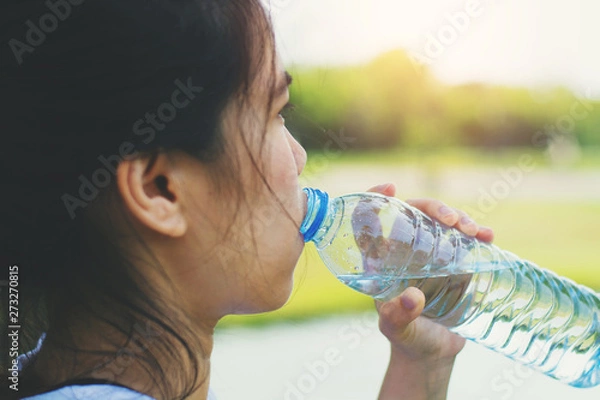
(391, 102)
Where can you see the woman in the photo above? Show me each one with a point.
(151, 189)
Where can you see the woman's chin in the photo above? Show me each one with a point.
(269, 301)
(280, 298)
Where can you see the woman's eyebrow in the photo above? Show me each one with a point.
(283, 85)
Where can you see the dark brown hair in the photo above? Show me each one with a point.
(85, 84)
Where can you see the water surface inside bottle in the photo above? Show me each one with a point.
(380, 246)
(528, 314)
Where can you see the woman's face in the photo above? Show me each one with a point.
(242, 255)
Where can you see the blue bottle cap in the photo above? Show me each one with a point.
(316, 209)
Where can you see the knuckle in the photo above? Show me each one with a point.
(391, 317)
(386, 312)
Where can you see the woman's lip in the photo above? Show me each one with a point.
(304, 200)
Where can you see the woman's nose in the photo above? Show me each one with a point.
(298, 152)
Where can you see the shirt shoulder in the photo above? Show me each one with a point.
(91, 392)
(100, 391)
(97, 392)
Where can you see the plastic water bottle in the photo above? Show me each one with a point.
(380, 245)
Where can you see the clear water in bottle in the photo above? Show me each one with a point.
(530, 316)
(481, 292)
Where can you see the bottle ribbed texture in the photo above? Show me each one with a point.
(380, 246)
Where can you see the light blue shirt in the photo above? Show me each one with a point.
(91, 392)
(86, 392)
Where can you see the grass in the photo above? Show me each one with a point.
(557, 236)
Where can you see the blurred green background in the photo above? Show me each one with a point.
(525, 163)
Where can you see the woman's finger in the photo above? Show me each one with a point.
(453, 217)
(436, 209)
(386, 189)
(466, 224)
(396, 315)
(485, 234)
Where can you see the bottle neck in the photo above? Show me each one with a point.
(317, 205)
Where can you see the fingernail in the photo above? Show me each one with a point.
(445, 211)
(466, 221)
(407, 303)
(486, 230)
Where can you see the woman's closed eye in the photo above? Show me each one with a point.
(286, 110)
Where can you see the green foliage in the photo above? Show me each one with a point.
(393, 102)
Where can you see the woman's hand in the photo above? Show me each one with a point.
(423, 352)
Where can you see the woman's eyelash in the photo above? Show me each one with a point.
(287, 109)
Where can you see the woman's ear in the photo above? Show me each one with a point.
(151, 192)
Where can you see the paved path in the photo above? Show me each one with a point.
(344, 358)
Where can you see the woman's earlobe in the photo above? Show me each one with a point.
(149, 193)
